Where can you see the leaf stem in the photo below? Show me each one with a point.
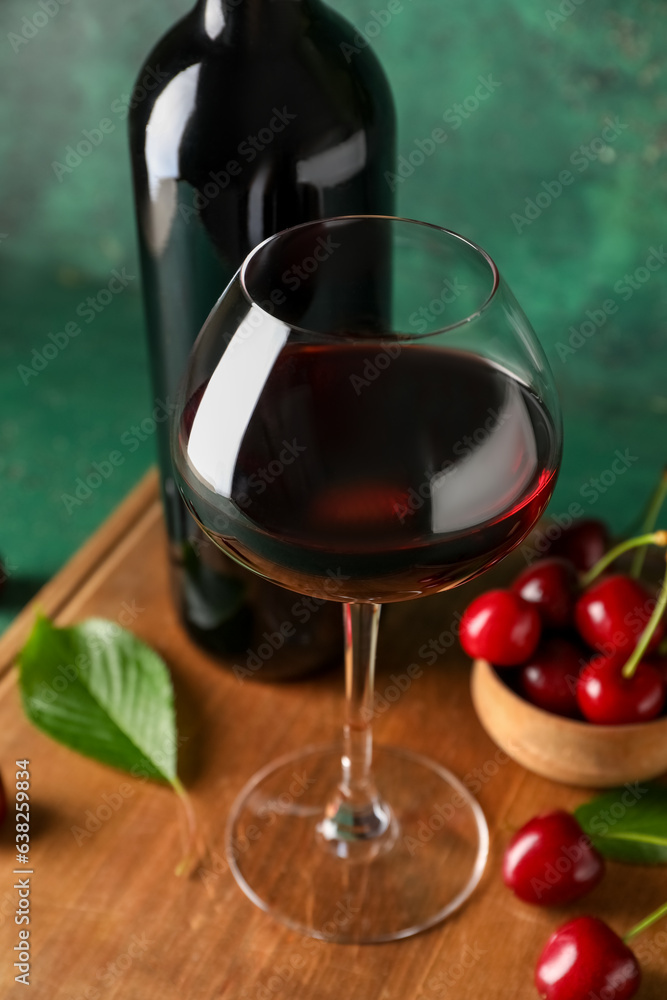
(647, 634)
(648, 524)
(652, 538)
(193, 844)
(646, 922)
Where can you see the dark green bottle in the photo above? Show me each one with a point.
(249, 116)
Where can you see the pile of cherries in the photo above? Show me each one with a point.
(564, 636)
(551, 862)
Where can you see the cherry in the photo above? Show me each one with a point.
(549, 678)
(551, 585)
(583, 543)
(585, 958)
(608, 698)
(500, 627)
(659, 663)
(551, 861)
(612, 614)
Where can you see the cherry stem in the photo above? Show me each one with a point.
(652, 538)
(193, 844)
(646, 922)
(645, 637)
(648, 524)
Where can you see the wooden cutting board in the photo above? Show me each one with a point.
(110, 919)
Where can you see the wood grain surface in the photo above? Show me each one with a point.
(111, 920)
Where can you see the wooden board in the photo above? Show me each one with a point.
(111, 920)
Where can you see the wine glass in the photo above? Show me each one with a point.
(367, 417)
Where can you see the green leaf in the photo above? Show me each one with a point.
(101, 691)
(628, 824)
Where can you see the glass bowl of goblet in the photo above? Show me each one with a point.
(367, 417)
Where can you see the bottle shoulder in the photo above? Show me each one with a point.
(325, 65)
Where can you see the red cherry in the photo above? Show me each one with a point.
(583, 544)
(584, 959)
(550, 861)
(608, 698)
(500, 627)
(549, 679)
(551, 585)
(659, 663)
(612, 614)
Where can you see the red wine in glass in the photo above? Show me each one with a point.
(357, 498)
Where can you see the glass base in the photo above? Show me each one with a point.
(429, 857)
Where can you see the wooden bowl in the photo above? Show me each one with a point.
(576, 753)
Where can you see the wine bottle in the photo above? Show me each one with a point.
(248, 116)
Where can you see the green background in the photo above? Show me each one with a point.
(559, 71)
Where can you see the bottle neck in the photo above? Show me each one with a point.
(218, 16)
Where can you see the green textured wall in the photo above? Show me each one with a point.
(554, 72)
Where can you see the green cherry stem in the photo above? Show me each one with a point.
(645, 637)
(646, 922)
(194, 847)
(652, 538)
(648, 524)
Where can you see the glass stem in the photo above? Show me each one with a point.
(357, 823)
(361, 623)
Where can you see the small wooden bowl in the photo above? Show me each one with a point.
(576, 753)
